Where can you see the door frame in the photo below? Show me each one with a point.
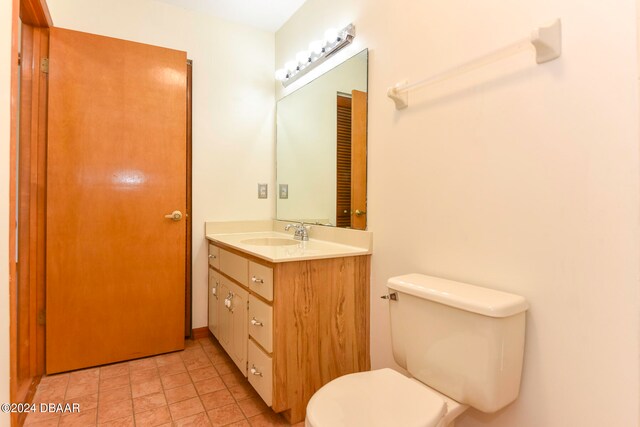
(25, 144)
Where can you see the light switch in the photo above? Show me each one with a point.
(262, 191)
(283, 191)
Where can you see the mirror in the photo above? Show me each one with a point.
(321, 140)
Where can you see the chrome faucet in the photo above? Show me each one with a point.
(301, 231)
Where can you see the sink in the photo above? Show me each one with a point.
(270, 241)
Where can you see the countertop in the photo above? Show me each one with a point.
(300, 251)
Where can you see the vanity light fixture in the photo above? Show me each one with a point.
(318, 52)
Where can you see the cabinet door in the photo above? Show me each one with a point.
(238, 331)
(214, 290)
(224, 316)
(232, 322)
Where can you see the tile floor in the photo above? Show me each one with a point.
(199, 386)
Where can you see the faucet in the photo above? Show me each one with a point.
(301, 231)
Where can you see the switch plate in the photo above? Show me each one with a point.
(262, 191)
(283, 191)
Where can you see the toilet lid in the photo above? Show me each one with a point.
(380, 398)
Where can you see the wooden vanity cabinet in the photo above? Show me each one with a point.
(304, 323)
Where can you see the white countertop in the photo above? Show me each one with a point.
(311, 249)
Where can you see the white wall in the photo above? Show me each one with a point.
(233, 106)
(5, 120)
(517, 177)
(307, 149)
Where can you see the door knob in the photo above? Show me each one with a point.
(360, 213)
(174, 216)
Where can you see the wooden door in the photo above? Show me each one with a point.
(359, 160)
(238, 328)
(116, 166)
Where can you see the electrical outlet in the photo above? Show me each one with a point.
(262, 191)
(283, 191)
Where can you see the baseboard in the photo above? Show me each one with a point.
(199, 333)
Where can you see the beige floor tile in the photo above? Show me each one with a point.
(153, 417)
(268, 419)
(198, 420)
(114, 382)
(113, 410)
(114, 370)
(141, 376)
(81, 389)
(217, 398)
(225, 415)
(113, 395)
(204, 373)
(148, 402)
(82, 418)
(53, 381)
(171, 368)
(180, 393)
(210, 385)
(120, 422)
(168, 359)
(88, 401)
(175, 380)
(186, 408)
(253, 406)
(146, 387)
(142, 364)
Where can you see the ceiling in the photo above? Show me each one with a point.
(264, 14)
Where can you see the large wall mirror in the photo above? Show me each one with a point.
(322, 149)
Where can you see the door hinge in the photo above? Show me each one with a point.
(19, 59)
(44, 65)
(42, 317)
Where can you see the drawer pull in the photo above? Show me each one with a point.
(255, 279)
(255, 322)
(214, 291)
(212, 256)
(255, 372)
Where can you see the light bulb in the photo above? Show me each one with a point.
(291, 66)
(302, 57)
(316, 47)
(281, 74)
(331, 35)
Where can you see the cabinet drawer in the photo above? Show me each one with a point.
(260, 372)
(234, 266)
(214, 256)
(261, 323)
(261, 280)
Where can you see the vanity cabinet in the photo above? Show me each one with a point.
(292, 326)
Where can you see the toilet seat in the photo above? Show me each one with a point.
(380, 398)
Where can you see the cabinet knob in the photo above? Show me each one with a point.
(227, 302)
(212, 256)
(254, 371)
(255, 279)
(255, 322)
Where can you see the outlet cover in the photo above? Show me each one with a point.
(283, 191)
(262, 191)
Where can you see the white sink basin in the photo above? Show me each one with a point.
(270, 241)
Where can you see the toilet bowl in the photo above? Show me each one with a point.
(380, 398)
(463, 345)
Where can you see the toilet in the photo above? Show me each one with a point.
(463, 345)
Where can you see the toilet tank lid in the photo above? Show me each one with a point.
(476, 299)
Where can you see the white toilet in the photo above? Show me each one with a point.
(463, 344)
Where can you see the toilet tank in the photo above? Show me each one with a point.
(465, 341)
